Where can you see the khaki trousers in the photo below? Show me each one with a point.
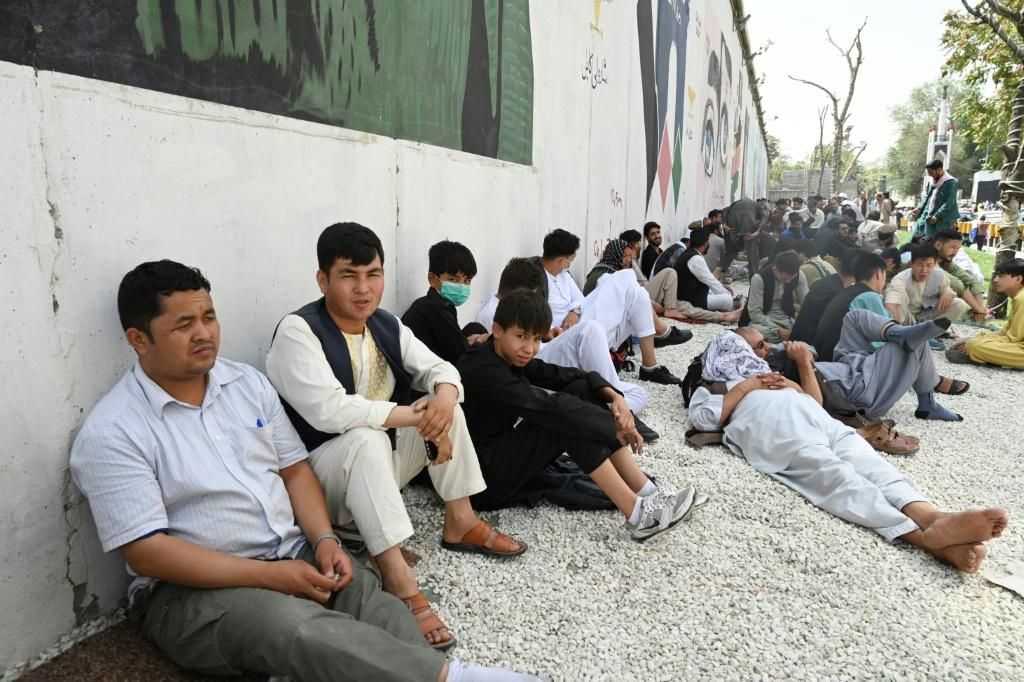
(663, 288)
(361, 633)
(362, 478)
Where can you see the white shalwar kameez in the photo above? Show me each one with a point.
(787, 435)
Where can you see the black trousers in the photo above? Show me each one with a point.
(510, 463)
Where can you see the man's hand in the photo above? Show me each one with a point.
(751, 235)
(945, 301)
(334, 563)
(632, 438)
(438, 412)
(932, 220)
(444, 450)
(570, 319)
(623, 416)
(477, 338)
(915, 213)
(979, 315)
(799, 352)
(784, 333)
(300, 579)
(658, 308)
(960, 346)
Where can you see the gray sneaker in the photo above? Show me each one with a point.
(662, 511)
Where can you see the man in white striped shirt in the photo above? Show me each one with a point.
(194, 472)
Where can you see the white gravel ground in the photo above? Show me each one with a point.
(759, 584)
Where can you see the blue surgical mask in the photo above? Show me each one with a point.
(454, 293)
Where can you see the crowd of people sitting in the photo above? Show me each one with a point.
(226, 489)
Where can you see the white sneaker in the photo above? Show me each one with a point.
(661, 512)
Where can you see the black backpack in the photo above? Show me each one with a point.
(694, 378)
(563, 483)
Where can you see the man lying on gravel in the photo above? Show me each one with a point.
(523, 413)
(781, 429)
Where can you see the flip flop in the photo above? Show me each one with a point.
(483, 539)
(956, 387)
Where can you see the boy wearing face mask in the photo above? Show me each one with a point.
(432, 318)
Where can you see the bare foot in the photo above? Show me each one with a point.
(966, 558)
(971, 526)
(731, 316)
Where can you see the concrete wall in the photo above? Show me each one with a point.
(98, 177)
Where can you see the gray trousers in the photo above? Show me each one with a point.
(361, 633)
(880, 377)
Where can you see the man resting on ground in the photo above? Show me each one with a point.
(523, 413)
(1005, 347)
(781, 429)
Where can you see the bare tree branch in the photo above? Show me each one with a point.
(853, 162)
(1013, 45)
(1002, 10)
(835, 100)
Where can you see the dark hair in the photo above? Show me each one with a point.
(805, 247)
(787, 262)
(794, 216)
(934, 164)
(141, 290)
(714, 213)
(892, 253)
(527, 310)
(849, 211)
(559, 242)
(630, 236)
(347, 241)
(451, 258)
(798, 200)
(848, 260)
(885, 194)
(699, 237)
(947, 235)
(650, 226)
(866, 265)
(874, 215)
(922, 251)
(1011, 268)
(780, 202)
(520, 273)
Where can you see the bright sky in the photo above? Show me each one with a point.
(901, 51)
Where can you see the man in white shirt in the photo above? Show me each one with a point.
(815, 216)
(346, 371)
(697, 285)
(193, 471)
(922, 291)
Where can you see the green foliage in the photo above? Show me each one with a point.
(981, 60)
(905, 160)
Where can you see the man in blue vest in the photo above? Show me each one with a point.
(939, 210)
(346, 370)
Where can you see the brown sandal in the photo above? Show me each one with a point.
(885, 439)
(427, 620)
(483, 539)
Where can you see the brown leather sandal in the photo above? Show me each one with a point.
(885, 439)
(427, 620)
(483, 539)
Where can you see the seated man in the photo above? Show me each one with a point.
(346, 370)
(583, 346)
(893, 263)
(774, 298)
(1006, 347)
(696, 285)
(812, 265)
(820, 295)
(863, 293)
(716, 243)
(620, 305)
(947, 245)
(432, 318)
(652, 233)
(781, 429)
(193, 471)
(662, 288)
(522, 416)
(794, 231)
(922, 291)
(870, 235)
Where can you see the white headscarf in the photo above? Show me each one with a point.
(729, 357)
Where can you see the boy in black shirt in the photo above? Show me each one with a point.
(523, 413)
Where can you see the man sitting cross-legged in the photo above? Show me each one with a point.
(696, 285)
(193, 471)
(346, 371)
(922, 291)
(523, 413)
(1005, 347)
(619, 304)
(583, 346)
(780, 428)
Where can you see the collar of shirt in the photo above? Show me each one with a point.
(434, 297)
(158, 398)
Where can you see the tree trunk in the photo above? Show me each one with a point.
(837, 158)
(1011, 194)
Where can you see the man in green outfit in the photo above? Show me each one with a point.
(938, 211)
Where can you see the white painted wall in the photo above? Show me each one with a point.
(98, 177)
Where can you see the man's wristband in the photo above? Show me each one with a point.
(326, 535)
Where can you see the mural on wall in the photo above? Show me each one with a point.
(452, 74)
